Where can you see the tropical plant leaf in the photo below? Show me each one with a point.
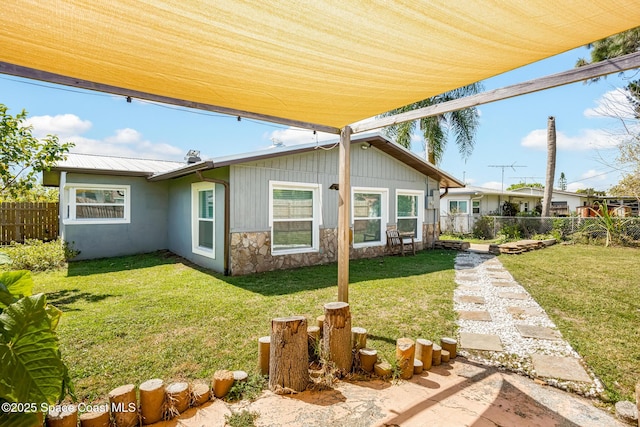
(18, 283)
(19, 419)
(31, 369)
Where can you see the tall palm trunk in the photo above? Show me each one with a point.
(551, 165)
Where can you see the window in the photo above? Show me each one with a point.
(203, 196)
(409, 212)
(458, 207)
(294, 217)
(369, 212)
(97, 204)
(475, 206)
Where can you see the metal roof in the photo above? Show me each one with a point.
(158, 170)
(472, 190)
(107, 165)
(376, 140)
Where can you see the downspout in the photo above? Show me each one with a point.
(446, 191)
(227, 204)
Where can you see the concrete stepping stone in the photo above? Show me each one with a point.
(520, 312)
(513, 295)
(467, 288)
(563, 368)
(481, 315)
(471, 299)
(503, 284)
(539, 332)
(487, 342)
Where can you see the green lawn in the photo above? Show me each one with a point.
(592, 293)
(130, 319)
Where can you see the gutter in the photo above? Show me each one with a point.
(446, 191)
(227, 204)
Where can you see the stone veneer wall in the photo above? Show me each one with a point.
(251, 251)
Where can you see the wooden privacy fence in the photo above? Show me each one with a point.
(26, 220)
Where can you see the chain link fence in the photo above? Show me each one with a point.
(625, 230)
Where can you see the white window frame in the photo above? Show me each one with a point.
(70, 204)
(196, 188)
(316, 221)
(458, 212)
(473, 202)
(384, 213)
(419, 208)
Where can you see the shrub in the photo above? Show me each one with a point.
(511, 231)
(483, 228)
(36, 255)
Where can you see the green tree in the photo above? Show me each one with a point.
(524, 184)
(562, 182)
(612, 47)
(435, 129)
(23, 155)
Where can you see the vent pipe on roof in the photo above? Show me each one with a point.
(193, 156)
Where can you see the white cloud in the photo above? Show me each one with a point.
(587, 139)
(62, 125)
(123, 143)
(295, 136)
(612, 104)
(496, 185)
(575, 186)
(124, 136)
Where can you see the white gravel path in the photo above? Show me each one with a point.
(477, 275)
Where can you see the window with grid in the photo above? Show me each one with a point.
(295, 219)
(409, 213)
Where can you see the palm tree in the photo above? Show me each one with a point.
(435, 129)
(551, 166)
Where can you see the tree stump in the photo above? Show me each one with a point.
(178, 397)
(200, 393)
(222, 383)
(124, 408)
(450, 345)
(405, 353)
(336, 335)
(368, 358)
(95, 419)
(289, 367)
(418, 367)
(382, 369)
(358, 338)
(151, 400)
(320, 323)
(437, 355)
(444, 356)
(424, 352)
(68, 417)
(264, 351)
(240, 376)
(313, 336)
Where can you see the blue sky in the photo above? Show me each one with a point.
(511, 131)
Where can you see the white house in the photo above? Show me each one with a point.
(563, 203)
(461, 207)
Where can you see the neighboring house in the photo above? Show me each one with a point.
(460, 208)
(563, 203)
(267, 210)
